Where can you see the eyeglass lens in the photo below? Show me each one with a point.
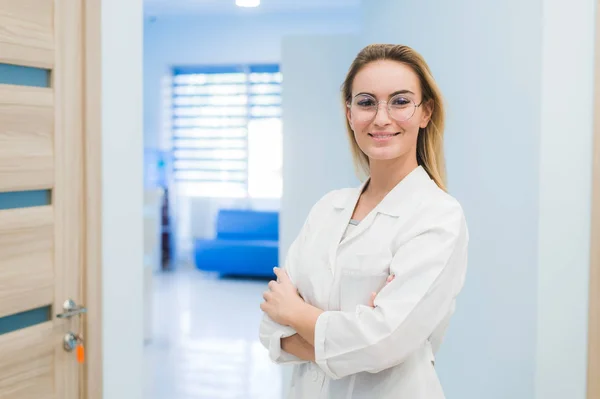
(399, 107)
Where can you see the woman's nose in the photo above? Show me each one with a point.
(382, 117)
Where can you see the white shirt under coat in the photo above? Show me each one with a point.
(418, 233)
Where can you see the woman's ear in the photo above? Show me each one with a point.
(428, 107)
(349, 117)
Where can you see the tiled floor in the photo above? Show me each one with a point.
(205, 340)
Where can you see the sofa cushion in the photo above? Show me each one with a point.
(252, 258)
(234, 224)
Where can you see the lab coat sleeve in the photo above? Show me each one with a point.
(270, 336)
(429, 272)
(271, 332)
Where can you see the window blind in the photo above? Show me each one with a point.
(226, 128)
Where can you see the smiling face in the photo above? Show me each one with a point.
(387, 132)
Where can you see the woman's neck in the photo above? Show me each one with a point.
(385, 175)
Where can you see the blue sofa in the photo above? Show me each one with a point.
(246, 244)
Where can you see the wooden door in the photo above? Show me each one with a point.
(42, 209)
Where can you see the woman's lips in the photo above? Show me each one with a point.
(383, 136)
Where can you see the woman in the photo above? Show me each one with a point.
(334, 312)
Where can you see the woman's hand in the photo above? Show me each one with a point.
(282, 300)
(374, 294)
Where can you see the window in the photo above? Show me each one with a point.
(227, 133)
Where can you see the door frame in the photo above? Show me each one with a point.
(92, 273)
(93, 210)
(102, 51)
(593, 383)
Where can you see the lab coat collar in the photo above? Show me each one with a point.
(394, 202)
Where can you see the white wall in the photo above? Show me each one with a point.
(316, 154)
(565, 198)
(517, 77)
(122, 199)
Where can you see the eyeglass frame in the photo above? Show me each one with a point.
(387, 103)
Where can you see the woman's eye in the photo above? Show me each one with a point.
(401, 101)
(365, 102)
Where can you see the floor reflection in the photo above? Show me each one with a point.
(205, 340)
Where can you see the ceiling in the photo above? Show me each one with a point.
(186, 7)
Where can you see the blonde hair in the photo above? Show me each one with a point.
(430, 142)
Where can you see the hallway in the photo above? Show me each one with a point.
(205, 340)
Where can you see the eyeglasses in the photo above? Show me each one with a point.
(364, 107)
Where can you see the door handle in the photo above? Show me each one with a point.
(71, 309)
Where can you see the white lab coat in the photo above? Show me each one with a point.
(419, 234)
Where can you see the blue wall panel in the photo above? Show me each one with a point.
(25, 199)
(25, 319)
(24, 76)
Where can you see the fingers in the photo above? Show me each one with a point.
(390, 278)
(372, 300)
(281, 274)
(267, 295)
